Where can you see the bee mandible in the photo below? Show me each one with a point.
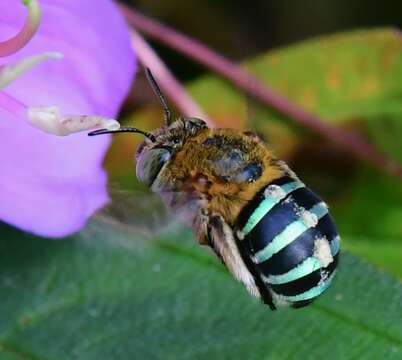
(271, 231)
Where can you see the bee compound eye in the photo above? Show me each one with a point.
(150, 163)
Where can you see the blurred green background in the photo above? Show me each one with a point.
(133, 286)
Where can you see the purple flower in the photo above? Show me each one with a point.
(50, 185)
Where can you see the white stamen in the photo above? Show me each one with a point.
(49, 120)
(11, 72)
(322, 252)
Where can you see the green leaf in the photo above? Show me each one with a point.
(84, 298)
(339, 77)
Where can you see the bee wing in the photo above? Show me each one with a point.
(132, 218)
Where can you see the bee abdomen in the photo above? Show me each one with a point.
(291, 241)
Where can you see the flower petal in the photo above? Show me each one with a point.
(51, 185)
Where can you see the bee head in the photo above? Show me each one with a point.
(153, 154)
(160, 145)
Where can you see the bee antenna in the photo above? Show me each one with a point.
(156, 89)
(123, 130)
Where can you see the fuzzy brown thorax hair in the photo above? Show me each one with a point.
(204, 167)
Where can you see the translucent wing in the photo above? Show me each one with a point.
(133, 218)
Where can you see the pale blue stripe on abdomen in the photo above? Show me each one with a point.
(281, 235)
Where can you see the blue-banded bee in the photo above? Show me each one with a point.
(270, 231)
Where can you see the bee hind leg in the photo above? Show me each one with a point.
(221, 239)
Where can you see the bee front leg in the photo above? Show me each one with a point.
(222, 241)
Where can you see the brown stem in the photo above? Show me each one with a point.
(245, 81)
(176, 92)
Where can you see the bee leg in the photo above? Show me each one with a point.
(200, 225)
(224, 245)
